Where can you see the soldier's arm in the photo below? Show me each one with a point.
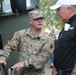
(9, 47)
(38, 61)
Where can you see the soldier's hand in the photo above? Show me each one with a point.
(31, 61)
(18, 65)
(3, 62)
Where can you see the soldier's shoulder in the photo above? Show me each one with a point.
(22, 31)
(45, 34)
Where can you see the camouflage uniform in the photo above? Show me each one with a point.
(39, 47)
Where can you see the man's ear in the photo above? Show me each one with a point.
(69, 9)
(30, 21)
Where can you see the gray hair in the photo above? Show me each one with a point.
(73, 6)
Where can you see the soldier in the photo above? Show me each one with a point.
(35, 47)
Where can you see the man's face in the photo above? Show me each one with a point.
(37, 23)
(63, 13)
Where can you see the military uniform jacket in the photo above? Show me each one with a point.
(39, 47)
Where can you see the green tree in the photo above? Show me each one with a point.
(52, 20)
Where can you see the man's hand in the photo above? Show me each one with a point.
(54, 72)
(74, 69)
(18, 65)
(31, 61)
(3, 62)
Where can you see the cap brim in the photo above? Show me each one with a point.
(55, 7)
(38, 17)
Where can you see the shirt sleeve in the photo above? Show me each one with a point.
(9, 47)
(42, 58)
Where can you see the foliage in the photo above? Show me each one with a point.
(52, 20)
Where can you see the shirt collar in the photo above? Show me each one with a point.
(29, 32)
(72, 19)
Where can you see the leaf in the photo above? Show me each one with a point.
(52, 20)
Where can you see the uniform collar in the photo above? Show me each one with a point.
(29, 32)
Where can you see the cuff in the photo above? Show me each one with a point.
(2, 58)
(26, 63)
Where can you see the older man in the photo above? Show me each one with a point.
(65, 50)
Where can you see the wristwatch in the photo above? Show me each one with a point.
(73, 73)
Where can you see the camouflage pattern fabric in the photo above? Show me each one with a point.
(35, 14)
(39, 47)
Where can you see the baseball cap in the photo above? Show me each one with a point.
(35, 14)
(60, 3)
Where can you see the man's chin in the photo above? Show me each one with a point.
(39, 27)
(63, 20)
